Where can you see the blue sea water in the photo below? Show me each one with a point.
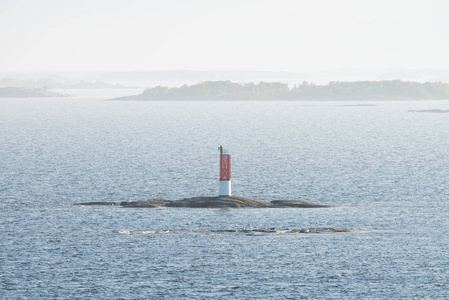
(386, 170)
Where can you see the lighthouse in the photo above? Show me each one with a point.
(224, 179)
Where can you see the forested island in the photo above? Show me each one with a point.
(336, 90)
(23, 92)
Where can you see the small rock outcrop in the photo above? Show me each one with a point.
(212, 202)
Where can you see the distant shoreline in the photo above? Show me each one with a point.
(23, 92)
(335, 91)
(49, 84)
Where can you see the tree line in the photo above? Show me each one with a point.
(359, 90)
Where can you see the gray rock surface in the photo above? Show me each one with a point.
(212, 202)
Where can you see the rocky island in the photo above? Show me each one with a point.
(225, 202)
(211, 202)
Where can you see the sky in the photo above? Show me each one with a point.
(277, 35)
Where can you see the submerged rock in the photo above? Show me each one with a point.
(436, 111)
(257, 231)
(297, 203)
(247, 231)
(129, 232)
(97, 203)
(213, 202)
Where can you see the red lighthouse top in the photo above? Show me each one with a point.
(225, 165)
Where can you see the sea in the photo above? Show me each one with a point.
(383, 165)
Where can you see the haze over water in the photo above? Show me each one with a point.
(384, 167)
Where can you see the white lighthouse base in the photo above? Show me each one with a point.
(224, 187)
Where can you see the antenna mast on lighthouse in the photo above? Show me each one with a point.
(224, 179)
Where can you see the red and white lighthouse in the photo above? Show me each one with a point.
(224, 179)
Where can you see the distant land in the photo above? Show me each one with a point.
(197, 76)
(336, 90)
(177, 78)
(54, 84)
(24, 92)
(161, 75)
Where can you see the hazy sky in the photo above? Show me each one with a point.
(296, 35)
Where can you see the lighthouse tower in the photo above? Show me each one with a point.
(224, 179)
